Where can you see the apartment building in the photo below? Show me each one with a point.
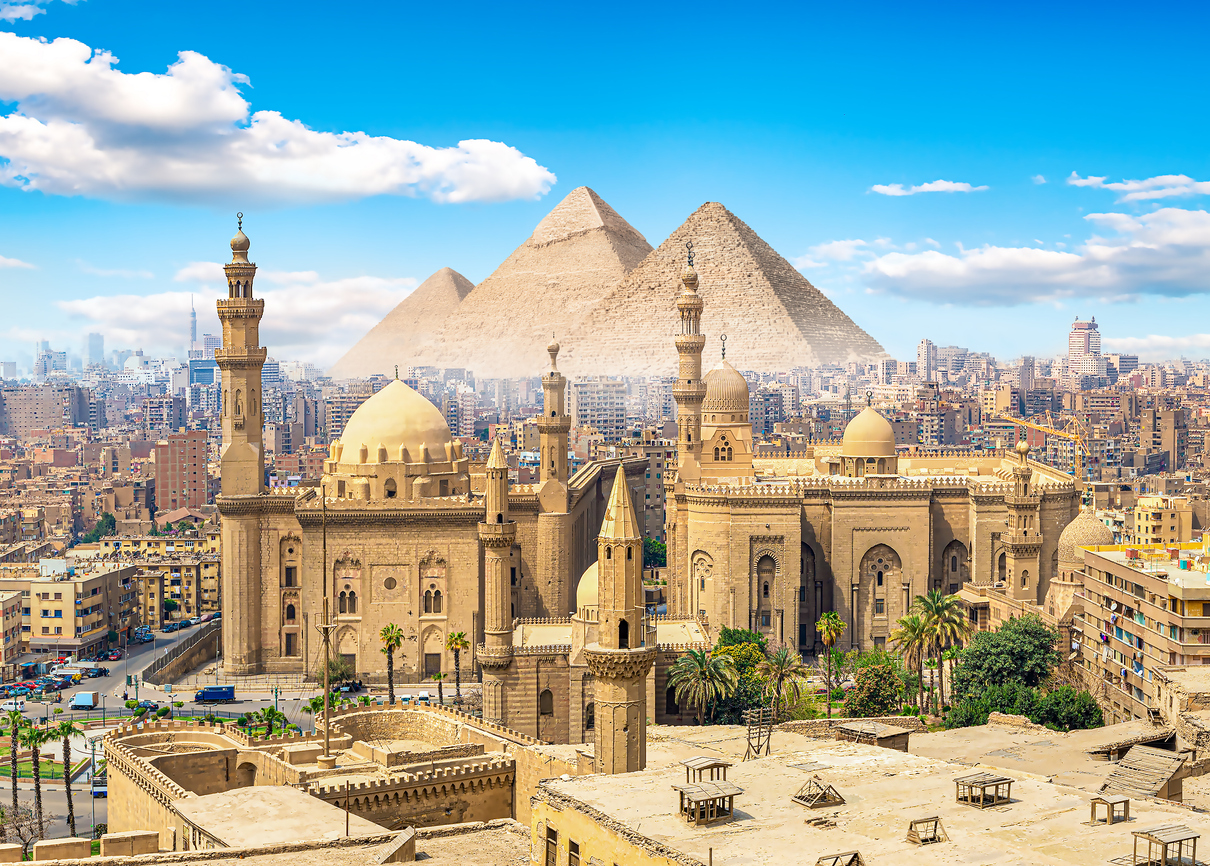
(181, 479)
(1143, 607)
(1160, 520)
(10, 627)
(185, 570)
(66, 610)
(600, 403)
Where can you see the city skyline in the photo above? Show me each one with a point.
(888, 203)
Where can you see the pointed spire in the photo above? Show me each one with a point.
(620, 522)
(496, 460)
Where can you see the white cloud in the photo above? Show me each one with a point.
(113, 272)
(14, 263)
(931, 186)
(1161, 186)
(82, 127)
(1159, 347)
(840, 251)
(25, 11)
(1038, 179)
(306, 317)
(1166, 252)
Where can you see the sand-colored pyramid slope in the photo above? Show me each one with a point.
(400, 337)
(575, 256)
(773, 317)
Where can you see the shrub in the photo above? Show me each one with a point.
(875, 692)
(162, 711)
(131, 704)
(738, 636)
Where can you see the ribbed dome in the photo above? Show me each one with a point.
(396, 416)
(868, 435)
(1084, 531)
(586, 592)
(726, 390)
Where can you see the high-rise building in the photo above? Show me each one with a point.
(192, 325)
(1026, 374)
(180, 470)
(96, 350)
(209, 344)
(926, 360)
(1084, 351)
(600, 402)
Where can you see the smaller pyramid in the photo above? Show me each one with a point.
(400, 337)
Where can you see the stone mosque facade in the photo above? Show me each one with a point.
(859, 527)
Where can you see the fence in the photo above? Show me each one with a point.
(208, 631)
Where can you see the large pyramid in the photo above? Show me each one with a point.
(415, 321)
(547, 286)
(773, 317)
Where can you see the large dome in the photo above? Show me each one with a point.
(586, 592)
(868, 435)
(396, 416)
(726, 390)
(1084, 531)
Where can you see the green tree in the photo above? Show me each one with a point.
(392, 639)
(830, 627)
(749, 691)
(16, 721)
(106, 524)
(699, 678)
(439, 678)
(947, 623)
(112, 636)
(1022, 650)
(911, 639)
(65, 730)
(875, 692)
(272, 716)
(314, 706)
(33, 739)
(783, 671)
(339, 669)
(1068, 710)
(655, 553)
(170, 605)
(737, 636)
(456, 642)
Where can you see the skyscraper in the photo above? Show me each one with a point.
(926, 360)
(192, 325)
(95, 353)
(1084, 351)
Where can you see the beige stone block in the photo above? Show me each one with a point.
(11, 853)
(304, 753)
(72, 848)
(130, 844)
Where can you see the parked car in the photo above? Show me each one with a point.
(13, 705)
(148, 705)
(170, 627)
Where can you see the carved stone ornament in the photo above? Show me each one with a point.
(619, 664)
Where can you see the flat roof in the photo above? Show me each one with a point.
(269, 815)
(884, 790)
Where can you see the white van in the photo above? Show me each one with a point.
(13, 704)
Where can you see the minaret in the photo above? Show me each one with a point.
(1023, 540)
(497, 534)
(620, 660)
(242, 462)
(689, 390)
(554, 423)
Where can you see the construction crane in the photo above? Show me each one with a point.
(1081, 446)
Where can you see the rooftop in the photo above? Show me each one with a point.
(282, 815)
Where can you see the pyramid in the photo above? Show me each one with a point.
(415, 321)
(547, 286)
(773, 317)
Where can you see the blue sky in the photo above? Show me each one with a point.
(120, 181)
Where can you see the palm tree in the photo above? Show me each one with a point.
(68, 729)
(16, 722)
(392, 639)
(699, 678)
(439, 678)
(947, 625)
(456, 642)
(830, 628)
(912, 639)
(782, 670)
(33, 738)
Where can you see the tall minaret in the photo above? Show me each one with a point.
(620, 659)
(554, 423)
(689, 390)
(242, 462)
(497, 534)
(1023, 540)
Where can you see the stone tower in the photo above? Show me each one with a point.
(620, 659)
(497, 534)
(1023, 540)
(554, 540)
(689, 390)
(242, 463)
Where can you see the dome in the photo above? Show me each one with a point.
(586, 592)
(726, 390)
(868, 435)
(1084, 531)
(240, 243)
(396, 416)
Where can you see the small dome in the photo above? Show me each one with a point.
(1084, 531)
(395, 416)
(1023, 448)
(726, 390)
(868, 435)
(586, 592)
(240, 243)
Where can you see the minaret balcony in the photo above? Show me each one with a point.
(498, 535)
(493, 656)
(619, 664)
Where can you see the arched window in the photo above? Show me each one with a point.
(289, 613)
(428, 601)
(623, 634)
(590, 717)
(880, 578)
(953, 563)
(546, 703)
(389, 488)
(499, 518)
(352, 602)
(1024, 579)
(766, 570)
(765, 590)
(343, 603)
(437, 601)
(609, 553)
(629, 553)
(728, 455)
(716, 452)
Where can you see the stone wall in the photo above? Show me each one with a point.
(823, 728)
(188, 658)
